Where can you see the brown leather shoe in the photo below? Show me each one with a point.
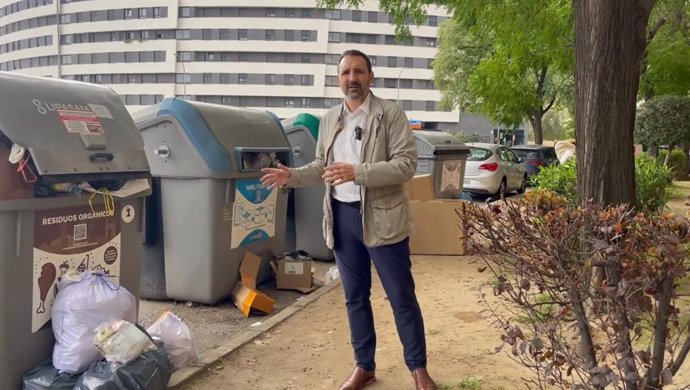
(358, 379)
(422, 380)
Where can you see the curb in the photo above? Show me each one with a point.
(206, 359)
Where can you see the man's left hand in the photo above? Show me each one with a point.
(339, 173)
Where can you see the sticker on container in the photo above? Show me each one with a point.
(253, 213)
(128, 214)
(294, 268)
(81, 122)
(101, 111)
(73, 238)
(450, 176)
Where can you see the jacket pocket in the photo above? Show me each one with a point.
(390, 216)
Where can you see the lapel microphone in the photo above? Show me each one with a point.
(358, 133)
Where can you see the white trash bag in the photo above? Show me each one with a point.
(177, 339)
(121, 341)
(79, 308)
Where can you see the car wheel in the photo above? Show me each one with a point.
(501, 193)
(523, 185)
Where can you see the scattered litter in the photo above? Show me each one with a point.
(121, 341)
(255, 324)
(177, 339)
(332, 274)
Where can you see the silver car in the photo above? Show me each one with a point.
(494, 170)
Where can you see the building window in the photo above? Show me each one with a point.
(270, 35)
(430, 63)
(373, 17)
(143, 13)
(430, 105)
(289, 102)
(145, 35)
(306, 58)
(157, 12)
(224, 34)
(433, 21)
(67, 60)
(306, 36)
(129, 13)
(306, 14)
(334, 37)
(408, 62)
(305, 79)
(242, 78)
(304, 102)
(208, 78)
(242, 34)
(333, 14)
(183, 34)
(184, 78)
(356, 16)
(431, 42)
(270, 79)
(271, 13)
(289, 79)
(185, 12)
(332, 59)
(331, 81)
(184, 56)
(373, 60)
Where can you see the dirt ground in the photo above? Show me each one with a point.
(311, 349)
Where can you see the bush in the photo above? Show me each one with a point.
(561, 179)
(583, 333)
(652, 179)
(678, 164)
(466, 137)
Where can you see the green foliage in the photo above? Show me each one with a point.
(678, 164)
(507, 60)
(466, 137)
(561, 179)
(663, 120)
(668, 53)
(652, 180)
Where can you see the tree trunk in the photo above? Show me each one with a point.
(686, 151)
(667, 160)
(654, 150)
(609, 46)
(536, 119)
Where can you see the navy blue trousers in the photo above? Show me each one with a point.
(393, 266)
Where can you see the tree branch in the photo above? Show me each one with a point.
(654, 29)
(682, 355)
(660, 328)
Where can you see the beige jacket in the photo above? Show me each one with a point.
(388, 160)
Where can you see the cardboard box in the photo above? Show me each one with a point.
(245, 295)
(437, 227)
(421, 187)
(293, 274)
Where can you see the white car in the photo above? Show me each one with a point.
(493, 169)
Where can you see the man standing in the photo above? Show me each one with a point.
(365, 153)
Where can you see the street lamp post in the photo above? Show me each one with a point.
(184, 76)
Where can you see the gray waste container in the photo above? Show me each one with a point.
(72, 132)
(444, 157)
(212, 205)
(306, 212)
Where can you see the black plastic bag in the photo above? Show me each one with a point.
(151, 371)
(44, 376)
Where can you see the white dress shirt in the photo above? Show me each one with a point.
(348, 149)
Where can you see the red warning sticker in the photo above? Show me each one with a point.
(81, 122)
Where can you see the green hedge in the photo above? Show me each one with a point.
(652, 180)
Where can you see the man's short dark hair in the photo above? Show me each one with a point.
(357, 53)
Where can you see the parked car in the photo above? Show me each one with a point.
(534, 157)
(494, 170)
